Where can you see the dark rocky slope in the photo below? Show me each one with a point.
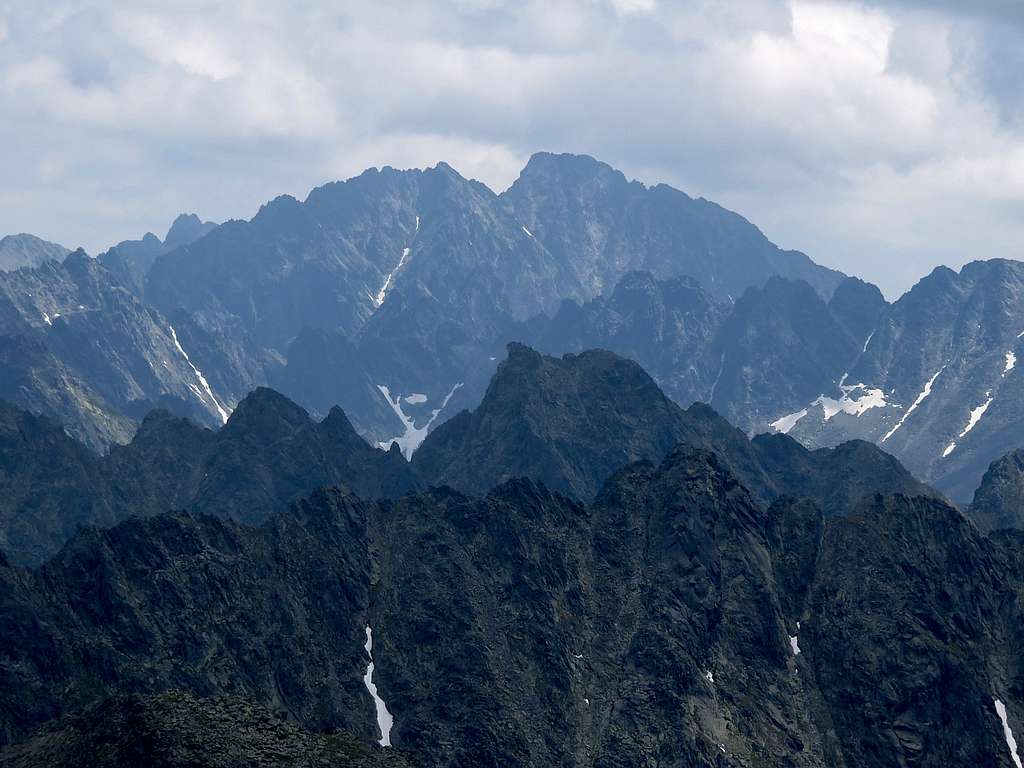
(675, 621)
(911, 602)
(180, 730)
(275, 614)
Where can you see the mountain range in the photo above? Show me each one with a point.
(393, 295)
(584, 473)
(800, 607)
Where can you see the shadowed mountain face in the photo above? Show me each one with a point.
(268, 454)
(127, 731)
(567, 422)
(255, 612)
(674, 620)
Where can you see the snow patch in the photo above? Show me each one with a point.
(413, 436)
(866, 342)
(390, 279)
(709, 677)
(949, 449)
(794, 644)
(913, 406)
(787, 422)
(1011, 743)
(856, 399)
(384, 718)
(416, 398)
(528, 232)
(1011, 360)
(417, 223)
(977, 413)
(202, 380)
(46, 319)
(855, 406)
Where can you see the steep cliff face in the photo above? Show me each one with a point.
(911, 603)
(78, 346)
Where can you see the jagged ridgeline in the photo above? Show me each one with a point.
(576, 572)
(394, 293)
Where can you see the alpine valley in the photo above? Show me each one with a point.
(586, 474)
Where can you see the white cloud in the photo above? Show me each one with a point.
(879, 137)
(633, 6)
(195, 48)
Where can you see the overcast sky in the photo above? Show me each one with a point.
(880, 138)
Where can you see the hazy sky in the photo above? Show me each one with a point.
(881, 138)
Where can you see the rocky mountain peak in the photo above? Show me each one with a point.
(25, 250)
(567, 169)
(569, 422)
(186, 228)
(267, 411)
(999, 501)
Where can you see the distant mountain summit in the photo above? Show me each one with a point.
(588, 215)
(568, 423)
(17, 251)
(131, 260)
(186, 228)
